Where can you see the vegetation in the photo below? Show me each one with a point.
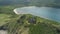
(42, 28)
(42, 25)
(23, 24)
(27, 24)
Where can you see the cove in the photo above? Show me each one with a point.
(44, 12)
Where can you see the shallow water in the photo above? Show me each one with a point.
(45, 12)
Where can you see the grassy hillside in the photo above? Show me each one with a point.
(26, 24)
(4, 18)
(29, 24)
(6, 14)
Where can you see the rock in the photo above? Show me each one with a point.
(20, 20)
(32, 20)
(3, 28)
(23, 17)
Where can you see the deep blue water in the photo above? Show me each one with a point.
(44, 12)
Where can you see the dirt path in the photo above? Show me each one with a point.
(3, 32)
(25, 31)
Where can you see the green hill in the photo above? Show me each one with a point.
(29, 24)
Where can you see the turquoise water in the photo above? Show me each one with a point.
(44, 12)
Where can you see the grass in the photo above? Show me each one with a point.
(4, 18)
(42, 28)
(6, 13)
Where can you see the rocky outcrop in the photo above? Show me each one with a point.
(30, 19)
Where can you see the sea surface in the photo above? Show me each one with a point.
(44, 12)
